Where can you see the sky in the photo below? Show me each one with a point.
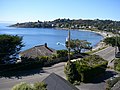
(45, 10)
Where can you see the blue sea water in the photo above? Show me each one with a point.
(55, 38)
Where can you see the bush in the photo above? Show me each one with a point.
(22, 86)
(117, 64)
(70, 72)
(25, 86)
(62, 53)
(40, 86)
(86, 69)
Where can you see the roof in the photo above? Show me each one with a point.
(55, 82)
(116, 86)
(40, 50)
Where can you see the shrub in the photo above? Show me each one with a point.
(70, 72)
(22, 86)
(25, 86)
(40, 86)
(62, 53)
(117, 64)
(85, 69)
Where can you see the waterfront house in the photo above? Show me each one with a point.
(40, 50)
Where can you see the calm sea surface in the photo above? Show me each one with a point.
(53, 37)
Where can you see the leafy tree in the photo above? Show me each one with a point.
(114, 41)
(77, 45)
(9, 47)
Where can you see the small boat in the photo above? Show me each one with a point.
(58, 43)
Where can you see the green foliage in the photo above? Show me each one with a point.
(113, 41)
(77, 45)
(22, 86)
(9, 47)
(86, 69)
(117, 64)
(62, 53)
(69, 70)
(40, 86)
(90, 66)
(25, 86)
(104, 25)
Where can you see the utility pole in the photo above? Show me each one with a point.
(69, 45)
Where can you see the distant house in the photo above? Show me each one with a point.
(55, 82)
(40, 50)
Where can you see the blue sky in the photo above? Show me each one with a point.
(43, 10)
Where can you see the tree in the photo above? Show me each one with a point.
(77, 45)
(114, 41)
(10, 46)
(69, 70)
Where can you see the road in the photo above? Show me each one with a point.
(107, 54)
(6, 83)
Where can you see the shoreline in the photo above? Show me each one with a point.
(100, 44)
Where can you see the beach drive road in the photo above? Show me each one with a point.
(38, 75)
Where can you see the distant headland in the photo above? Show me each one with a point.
(105, 25)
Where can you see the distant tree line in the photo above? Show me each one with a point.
(105, 25)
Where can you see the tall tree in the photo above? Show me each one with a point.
(77, 45)
(9, 47)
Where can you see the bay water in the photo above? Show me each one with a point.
(55, 38)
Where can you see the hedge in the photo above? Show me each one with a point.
(88, 68)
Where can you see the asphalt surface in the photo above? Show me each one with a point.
(6, 83)
(107, 54)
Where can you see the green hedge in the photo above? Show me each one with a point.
(88, 68)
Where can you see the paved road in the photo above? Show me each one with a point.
(108, 53)
(38, 75)
(31, 76)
